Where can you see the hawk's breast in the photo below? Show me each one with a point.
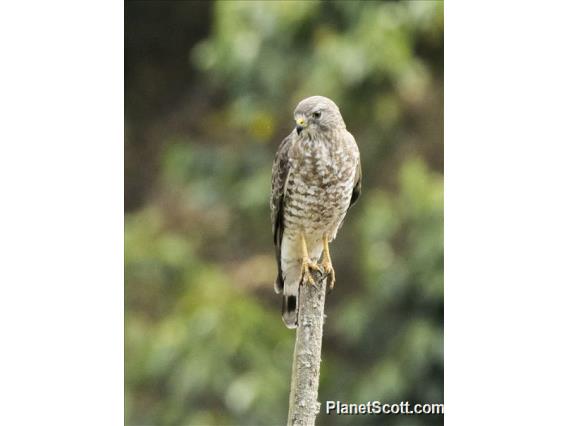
(319, 187)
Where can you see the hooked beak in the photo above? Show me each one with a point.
(300, 125)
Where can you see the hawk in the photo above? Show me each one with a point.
(316, 177)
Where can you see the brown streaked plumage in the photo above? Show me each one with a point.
(316, 177)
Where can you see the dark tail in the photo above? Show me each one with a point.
(290, 311)
(292, 274)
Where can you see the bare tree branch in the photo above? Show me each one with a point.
(304, 405)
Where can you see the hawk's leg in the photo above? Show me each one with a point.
(307, 263)
(326, 263)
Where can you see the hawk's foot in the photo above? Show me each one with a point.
(329, 271)
(307, 267)
(326, 263)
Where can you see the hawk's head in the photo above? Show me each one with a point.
(317, 114)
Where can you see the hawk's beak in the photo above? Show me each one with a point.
(300, 125)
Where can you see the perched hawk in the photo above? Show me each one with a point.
(316, 177)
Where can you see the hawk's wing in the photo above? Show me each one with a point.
(280, 170)
(357, 181)
(357, 186)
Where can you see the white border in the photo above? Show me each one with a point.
(61, 215)
(506, 211)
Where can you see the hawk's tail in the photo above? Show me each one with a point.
(290, 296)
(290, 311)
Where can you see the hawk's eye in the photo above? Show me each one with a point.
(317, 114)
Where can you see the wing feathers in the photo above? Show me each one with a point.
(357, 186)
(280, 170)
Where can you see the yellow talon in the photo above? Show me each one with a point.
(326, 263)
(307, 264)
(307, 267)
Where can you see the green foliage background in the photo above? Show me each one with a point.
(210, 90)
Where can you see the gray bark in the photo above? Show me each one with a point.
(304, 405)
